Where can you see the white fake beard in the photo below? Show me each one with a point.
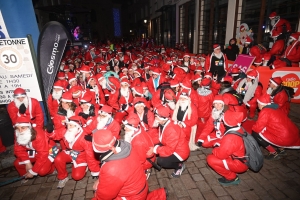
(57, 95)
(202, 64)
(71, 134)
(18, 103)
(134, 68)
(25, 138)
(70, 113)
(61, 67)
(269, 90)
(155, 123)
(102, 122)
(103, 84)
(216, 114)
(183, 105)
(128, 136)
(146, 93)
(248, 85)
(96, 89)
(124, 92)
(273, 22)
(172, 105)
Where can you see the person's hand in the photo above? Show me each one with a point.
(150, 152)
(22, 108)
(28, 166)
(28, 175)
(95, 186)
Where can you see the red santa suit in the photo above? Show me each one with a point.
(37, 152)
(275, 127)
(33, 109)
(152, 86)
(53, 105)
(79, 152)
(277, 48)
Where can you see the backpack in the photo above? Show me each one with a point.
(253, 155)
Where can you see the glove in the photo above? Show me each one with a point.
(92, 110)
(50, 127)
(88, 138)
(62, 111)
(22, 108)
(85, 116)
(124, 106)
(199, 144)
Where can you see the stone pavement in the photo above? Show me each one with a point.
(276, 180)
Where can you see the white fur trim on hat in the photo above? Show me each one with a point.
(174, 85)
(272, 81)
(252, 77)
(19, 95)
(67, 100)
(139, 103)
(235, 74)
(75, 94)
(23, 124)
(155, 73)
(133, 89)
(218, 101)
(264, 104)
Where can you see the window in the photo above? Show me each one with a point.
(117, 23)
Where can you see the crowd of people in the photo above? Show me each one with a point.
(168, 103)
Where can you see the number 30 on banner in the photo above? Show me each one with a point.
(10, 59)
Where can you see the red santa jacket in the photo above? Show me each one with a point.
(117, 185)
(98, 98)
(53, 105)
(150, 83)
(113, 126)
(179, 74)
(33, 110)
(292, 52)
(277, 48)
(282, 100)
(60, 120)
(41, 148)
(113, 100)
(173, 142)
(141, 143)
(278, 27)
(84, 149)
(186, 121)
(274, 126)
(205, 102)
(213, 129)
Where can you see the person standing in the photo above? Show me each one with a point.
(232, 51)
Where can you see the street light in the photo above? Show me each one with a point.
(145, 21)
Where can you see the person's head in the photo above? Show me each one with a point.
(232, 119)
(218, 103)
(184, 99)
(73, 128)
(104, 115)
(76, 91)
(138, 91)
(24, 131)
(91, 81)
(85, 103)
(139, 105)
(186, 58)
(217, 48)
(162, 115)
(155, 73)
(251, 76)
(232, 41)
(275, 82)
(66, 100)
(20, 97)
(174, 84)
(131, 125)
(263, 100)
(57, 90)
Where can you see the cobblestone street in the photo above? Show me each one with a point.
(276, 180)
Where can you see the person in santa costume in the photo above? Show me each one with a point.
(237, 75)
(155, 80)
(138, 79)
(104, 120)
(140, 141)
(279, 25)
(291, 55)
(88, 110)
(77, 92)
(31, 150)
(258, 51)
(274, 128)
(186, 116)
(94, 88)
(216, 63)
(25, 105)
(72, 80)
(186, 84)
(222, 159)
(112, 84)
(213, 130)
(53, 99)
(278, 94)
(250, 88)
(79, 151)
(205, 99)
(173, 148)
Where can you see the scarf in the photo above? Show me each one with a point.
(203, 91)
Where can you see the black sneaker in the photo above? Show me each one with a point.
(225, 182)
(273, 156)
(281, 152)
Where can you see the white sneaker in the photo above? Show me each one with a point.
(62, 183)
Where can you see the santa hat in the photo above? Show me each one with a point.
(61, 75)
(99, 77)
(216, 46)
(66, 68)
(85, 69)
(218, 99)
(156, 71)
(86, 99)
(186, 55)
(103, 140)
(113, 83)
(197, 77)
(186, 83)
(124, 69)
(232, 118)
(71, 77)
(169, 95)
(202, 56)
(174, 83)
(138, 90)
(89, 79)
(23, 120)
(242, 28)
(19, 92)
(132, 121)
(75, 90)
(103, 68)
(208, 75)
(138, 71)
(272, 15)
(58, 85)
(162, 112)
(185, 94)
(227, 78)
(76, 120)
(205, 82)
(125, 81)
(67, 97)
(139, 101)
(105, 109)
(235, 71)
(264, 99)
(248, 40)
(252, 74)
(276, 80)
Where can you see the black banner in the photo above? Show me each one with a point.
(51, 46)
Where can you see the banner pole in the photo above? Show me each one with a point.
(38, 74)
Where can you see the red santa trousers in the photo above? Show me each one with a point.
(60, 163)
(228, 168)
(46, 169)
